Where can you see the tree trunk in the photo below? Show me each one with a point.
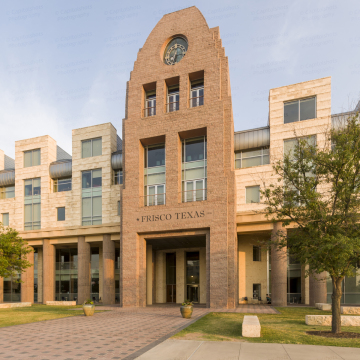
(336, 300)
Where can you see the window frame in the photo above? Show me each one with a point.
(261, 156)
(118, 177)
(91, 147)
(8, 219)
(171, 91)
(32, 157)
(150, 103)
(56, 184)
(299, 108)
(196, 86)
(259, 252)
(57, 213)
(248, 187)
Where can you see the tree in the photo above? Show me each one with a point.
(317, 198)
(13, 253)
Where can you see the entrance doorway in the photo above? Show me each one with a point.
(192, 276)
(171, 277)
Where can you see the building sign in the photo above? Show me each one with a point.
(175, 216)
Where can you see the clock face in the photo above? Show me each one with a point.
(175, 50)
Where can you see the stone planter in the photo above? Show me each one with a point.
(186, 311)
(89, 309)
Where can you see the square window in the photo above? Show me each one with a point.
(91, 147)
(252, 194)
(61, 214)
(32, 158)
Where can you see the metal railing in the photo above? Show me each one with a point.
(194, 195)
(153, 200)
(172, 106)
(196, 101)
(149, 111)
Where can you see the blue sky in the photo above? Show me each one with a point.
(64, 65)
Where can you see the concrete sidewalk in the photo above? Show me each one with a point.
(231, 350)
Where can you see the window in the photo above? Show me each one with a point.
(154, 175)
(298, 110)
(252, 194)
(118, 177)
(118, 208)
(172, 98)
(150, 103)
(248, 158)
(32, 204)
(256, 253)
(197, 93)
(7, 192)
(91, 147)
(61, 214)
(62, 185)
(92, 197)
(257, 291)
(31, 158)
(5, 219)
(194, 169)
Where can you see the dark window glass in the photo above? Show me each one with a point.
(291, 112)
(86, 179)
(256, 291)
(194, 150)
(156, 156)
(171, 269)
(61, 214)
(256, 253)
(307, 109)
(96, 181)
(192, 267)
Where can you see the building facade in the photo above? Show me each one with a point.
(172, 211)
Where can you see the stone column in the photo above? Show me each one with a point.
(318, 291)
(1, 290)
(180, 276)
(304, 286)
(40, 275)
(278, 271)
(27, 286)
(149, 275)
(49, 258)
(207, 269)
(108, 282)
(84, 270)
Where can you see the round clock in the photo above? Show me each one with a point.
(175, 50)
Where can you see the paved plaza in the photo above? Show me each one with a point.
(131, 333)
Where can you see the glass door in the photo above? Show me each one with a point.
(192, 276)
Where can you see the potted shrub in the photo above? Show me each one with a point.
(89, 308)
(186, 309)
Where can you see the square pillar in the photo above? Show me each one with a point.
(108, 271)
(202, 284)
(27, 278)
(40, 275)
(208, 269)
(49, 258)
(278, 271)
(84, 270)
(180, 276)
(149, 275)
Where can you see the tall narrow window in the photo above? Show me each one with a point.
(197, 93)
(256, 253)
(194, 169)
(92, 197)
(7, 192)
(172, 98)
(32, 204)
(118, 208)
(5, 219)
(150, 103)
(154, 175)
(118, 177)
(61, 214)
(298, 110)
(32, 158)
(91, 147)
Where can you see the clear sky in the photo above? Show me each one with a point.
(64, 64)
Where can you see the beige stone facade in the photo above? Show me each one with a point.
(207, 248)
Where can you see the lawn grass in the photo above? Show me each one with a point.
(288, 327)
(35, 313)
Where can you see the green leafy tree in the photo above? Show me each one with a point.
(317, 198)
(13, 253)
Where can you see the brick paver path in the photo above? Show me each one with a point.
(123, 333)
